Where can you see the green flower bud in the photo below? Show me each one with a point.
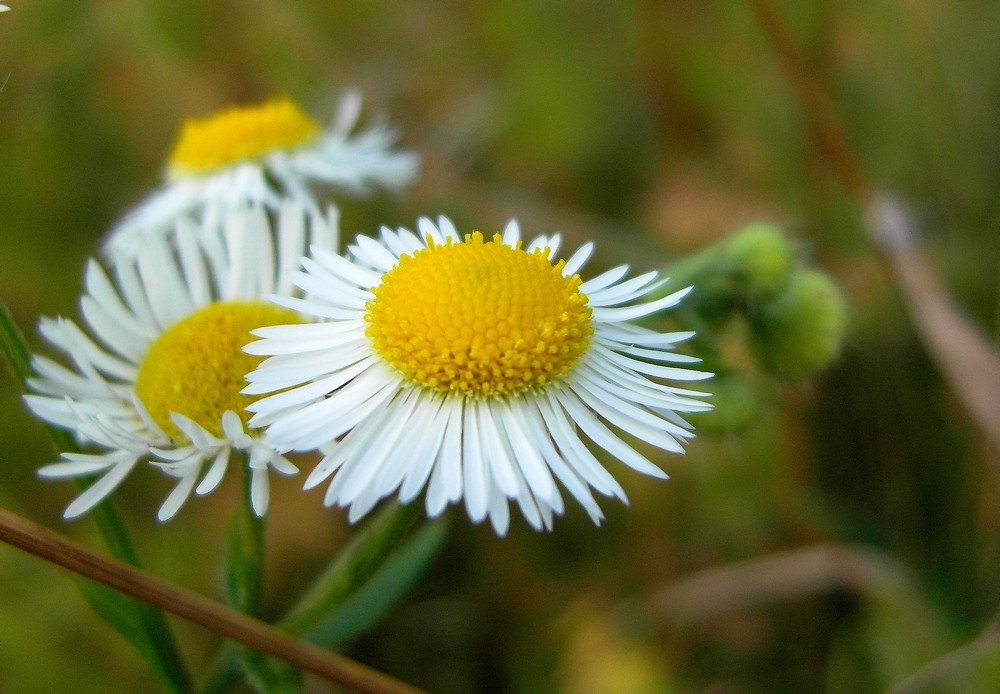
(799, 332)
(762, 258)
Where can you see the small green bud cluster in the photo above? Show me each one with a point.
(791, 318)
(797, 315)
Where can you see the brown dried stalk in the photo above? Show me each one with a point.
(742, 587)
(51, 546)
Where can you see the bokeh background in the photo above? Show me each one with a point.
(865, 499)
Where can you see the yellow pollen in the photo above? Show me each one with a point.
(479, 319)
(197, 366)
(238, 134)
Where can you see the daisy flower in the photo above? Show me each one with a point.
(470, 367)
(262, 154)
(158, 378)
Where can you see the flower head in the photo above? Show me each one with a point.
(158, 379)
(470, 367)
(262, 154)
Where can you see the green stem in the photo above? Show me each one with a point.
(244, 590)
(692, 270)
(353, 566)
(152, 636)
(245, 565)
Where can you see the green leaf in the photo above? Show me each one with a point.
(131, 619)
(144, 626)
(385, 589)
(14, 346)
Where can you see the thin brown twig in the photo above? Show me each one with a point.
(817, 105)
(42, 542)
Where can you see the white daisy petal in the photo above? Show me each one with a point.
(661, 356)
(625, 291)
(501, 465)
(397, 463)
(439, 444)
(499, 513)
(216, 472)
(647, 338)
(99, 490)
(605, 279)
(427, 229)
(529, 462)
(260, 491)
(131, 290)
(375, 253)
(75, 468)
(447, 229)
(450, 458)
(579, 258)
(345, 291)
(627, 417)
(345, 269)
(604, 437)
(162, 283)
(639, 310)
(180, 493)
(511, 232)
(103, 294)
(476, 480)
(329, 418)
(281, 464)
(532, 423)
(564, 435)
(56, 379)
(669, 372)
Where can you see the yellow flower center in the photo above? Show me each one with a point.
(479, 319)
(197, 367)
(238, 134)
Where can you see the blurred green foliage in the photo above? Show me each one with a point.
(655, 128)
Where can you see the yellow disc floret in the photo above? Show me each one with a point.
(197, 367)
(479, 319)
(239, 134)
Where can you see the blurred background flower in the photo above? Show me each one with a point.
(655, 129)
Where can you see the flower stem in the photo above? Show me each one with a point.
(245, 555)
(354, 565)
(244, 591)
